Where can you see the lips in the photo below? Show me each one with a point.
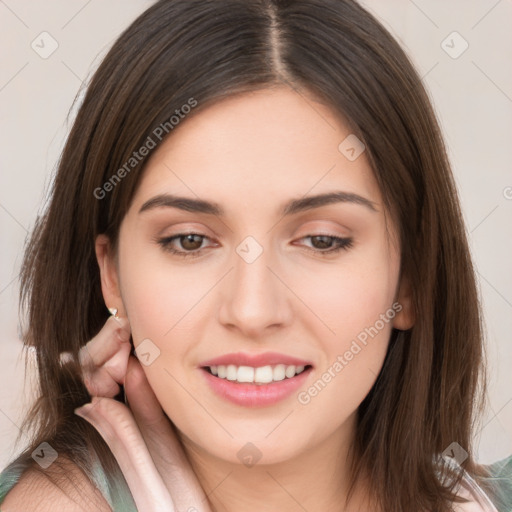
(255, 395)
(255, 360)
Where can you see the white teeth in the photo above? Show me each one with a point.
(245, 374)
(260, 375)
(279, 372)
(290, 371)
(263, 374)
(231, 372)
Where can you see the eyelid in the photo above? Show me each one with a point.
(186, 228)
(340, 244)
(323, 226)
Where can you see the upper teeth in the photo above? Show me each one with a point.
(260, 375)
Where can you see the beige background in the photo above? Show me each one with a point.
(472, 95)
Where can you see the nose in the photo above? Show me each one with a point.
(255, 299)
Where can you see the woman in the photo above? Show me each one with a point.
(260, 194)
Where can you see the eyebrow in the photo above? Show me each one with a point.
(290, 208)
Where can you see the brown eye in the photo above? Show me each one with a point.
(189, 244)
(328, 244)
(322, 241)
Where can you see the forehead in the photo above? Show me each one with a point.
(256, 149)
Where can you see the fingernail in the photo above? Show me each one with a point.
(80, 412)
(65, 357)
(83, 411)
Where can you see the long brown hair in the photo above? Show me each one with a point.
(432, 383)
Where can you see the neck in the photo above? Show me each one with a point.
(314, 480)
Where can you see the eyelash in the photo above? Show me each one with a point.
(343, 244)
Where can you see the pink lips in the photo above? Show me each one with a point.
(251, 394)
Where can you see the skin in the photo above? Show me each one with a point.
(250, 154)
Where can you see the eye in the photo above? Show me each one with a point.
(191, 244)
(323, 244)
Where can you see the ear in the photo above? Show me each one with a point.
(109, 274)
(405, 318)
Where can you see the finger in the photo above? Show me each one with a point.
(112, 336)
(116, 425)
(104, 358)
(163, 444)
(105, 380)
(116, 366)
(103, 385)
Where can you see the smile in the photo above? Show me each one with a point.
(255, 393)
(259, 375)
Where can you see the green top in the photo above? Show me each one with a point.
(120, 499)
(117, 496)
(500, 481)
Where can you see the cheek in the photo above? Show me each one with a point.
(354, 302)
(346, 297)
(164, 306)
(157, 295)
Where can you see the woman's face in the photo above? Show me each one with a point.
(257, 278)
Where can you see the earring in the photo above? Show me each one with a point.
(113, 312)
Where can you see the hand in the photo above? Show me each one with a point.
(144, 443)
(104, 359)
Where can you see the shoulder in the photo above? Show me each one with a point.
(498, 482)
(502, 468)
(65, 487)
